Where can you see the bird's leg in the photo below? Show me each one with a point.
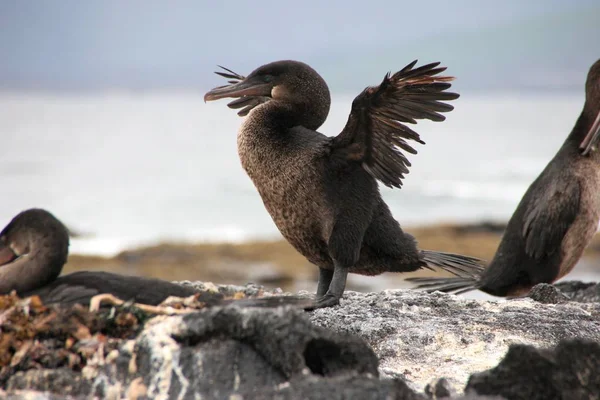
(336, 288)
(325, 276)
(344, 246)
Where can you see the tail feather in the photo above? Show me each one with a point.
(456, 264)
(467, 270)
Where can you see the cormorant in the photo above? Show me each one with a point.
(322, 191)
(34, 247)
(555, 220)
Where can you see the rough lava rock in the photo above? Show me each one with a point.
(223, 351)
(419, 336)
(546, 293)
(583, 292)
(262, 348)
(569, 371)
(395, 344)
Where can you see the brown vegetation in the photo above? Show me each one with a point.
(33, 336)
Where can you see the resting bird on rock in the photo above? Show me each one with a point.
(321, 191)
(34, 247)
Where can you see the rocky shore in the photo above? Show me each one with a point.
(394, 344)
(378, 344)
(276, 264)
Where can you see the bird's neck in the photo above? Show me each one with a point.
(280, 115)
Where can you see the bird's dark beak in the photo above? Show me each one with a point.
(6, 254)
(591, 138)
(244, 88)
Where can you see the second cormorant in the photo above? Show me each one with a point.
(555, 220)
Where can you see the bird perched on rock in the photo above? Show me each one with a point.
(555, 220)
(321, 191)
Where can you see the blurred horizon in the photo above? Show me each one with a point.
(153, 45)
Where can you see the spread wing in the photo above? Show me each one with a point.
(549, 216)
(376, 131)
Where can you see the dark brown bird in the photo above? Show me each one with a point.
(555, 220)
(322, 191)
(34, 247)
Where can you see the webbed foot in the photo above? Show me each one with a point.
(329, 300)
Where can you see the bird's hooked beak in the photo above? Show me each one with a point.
(592, 136)
(7, 254)
(239, 86)
(250, 92)
(240, 89)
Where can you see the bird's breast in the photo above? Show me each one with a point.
(287, 177)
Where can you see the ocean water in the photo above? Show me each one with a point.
(132, 168)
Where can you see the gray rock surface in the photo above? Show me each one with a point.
(218, 352)
(419, 336)
(569, 371)
(582, 292)
(262, 348)
(395, 344)
(549, 294)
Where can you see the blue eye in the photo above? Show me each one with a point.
(267, 78)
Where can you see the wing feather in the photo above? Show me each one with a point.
(376, 135)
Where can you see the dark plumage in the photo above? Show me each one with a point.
(322, 191)
(34, 247)
(555, 220)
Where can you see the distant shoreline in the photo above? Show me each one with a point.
(275, 263)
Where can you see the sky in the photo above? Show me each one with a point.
(151, 44)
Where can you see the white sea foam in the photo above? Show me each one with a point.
(112, 245)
